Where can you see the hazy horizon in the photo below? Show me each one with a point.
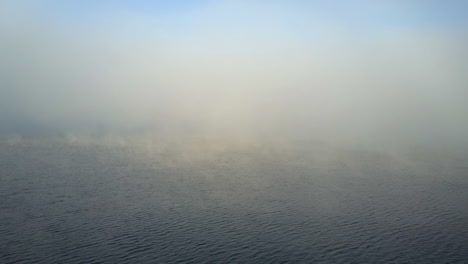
(355, 71)
(233, 131)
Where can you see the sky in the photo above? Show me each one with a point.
(392, 71)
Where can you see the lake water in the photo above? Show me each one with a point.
(77, 201)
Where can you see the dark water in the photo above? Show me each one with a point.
(130, 203)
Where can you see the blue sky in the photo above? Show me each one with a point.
(143, 6)
(449, 15)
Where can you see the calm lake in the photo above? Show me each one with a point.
(131, 201)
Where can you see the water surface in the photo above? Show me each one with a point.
(133, 202)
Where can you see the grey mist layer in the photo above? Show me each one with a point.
(354, 72)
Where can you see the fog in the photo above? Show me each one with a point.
(358, 73)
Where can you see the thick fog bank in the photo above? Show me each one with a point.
(282, 72)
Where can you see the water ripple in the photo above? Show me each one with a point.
(102, 205)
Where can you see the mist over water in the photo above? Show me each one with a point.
(235, 67)
(233, 132)
(215, 201)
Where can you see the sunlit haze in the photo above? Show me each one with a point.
(358, 71)
(234, 131)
